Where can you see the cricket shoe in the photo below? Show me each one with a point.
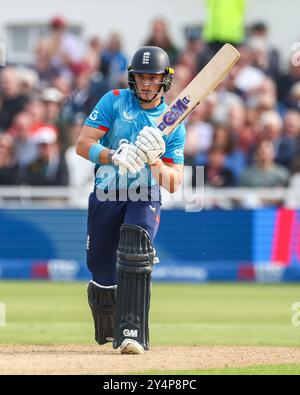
(130, 346)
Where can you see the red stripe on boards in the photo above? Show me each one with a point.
(282, 239)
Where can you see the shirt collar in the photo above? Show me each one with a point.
(153, 111)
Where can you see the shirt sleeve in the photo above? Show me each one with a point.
(175, 146)
(103, 113)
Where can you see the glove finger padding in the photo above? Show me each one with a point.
(134, 164)
(141, 154)
(145, 142)
(152, 154)
(155, 143)
(138, 162)
(129, 166)
(156, 134)
(126, 156)
(142, 146)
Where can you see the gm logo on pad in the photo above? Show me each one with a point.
(130, 332)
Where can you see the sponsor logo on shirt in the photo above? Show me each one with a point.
(179, 152)
(94, 115)
(127, 117)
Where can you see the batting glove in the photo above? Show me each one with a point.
(129, 158)
(151, 142)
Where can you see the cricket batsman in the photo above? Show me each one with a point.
(132, 160)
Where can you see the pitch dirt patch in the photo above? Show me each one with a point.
(85, 359)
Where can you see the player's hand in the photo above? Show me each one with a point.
(151, 142)
(129, 158)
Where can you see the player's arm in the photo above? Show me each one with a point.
(88, 146)
(168, 175)
(97, 124)
(127, 155)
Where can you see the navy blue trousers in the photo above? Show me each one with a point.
(104, 222)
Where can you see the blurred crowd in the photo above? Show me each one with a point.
(246, 133)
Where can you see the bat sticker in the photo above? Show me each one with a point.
(175, 112)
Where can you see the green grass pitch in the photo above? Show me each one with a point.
(181, 314)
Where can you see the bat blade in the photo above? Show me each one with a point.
(201, 86)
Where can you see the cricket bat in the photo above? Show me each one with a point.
(201, 86)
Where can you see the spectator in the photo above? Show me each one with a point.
(53, 100)
(42, 64)
(235, 159)
(246, 135)
(65, 48)
(94, 47)
(89, 87)
(182, 77)
(29, 81)
(195, 48)
(263, 98)
(228, 95)
(199, 134)
(289, 143)
(65, 86)
(114, 62)
(265, 172)
(249, 78)
(160, 37)
(193, 56)
(9, 168)
(265, 56)
(291, 124)
(49, 168)
(81, 171)
(293, 101)
(189, 61)
(284, 146)
(12, 100)
(225, 139)
(37, 110)
(215, 173)
(21, 130)
(286, 82)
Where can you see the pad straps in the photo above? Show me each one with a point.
(135, 257)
